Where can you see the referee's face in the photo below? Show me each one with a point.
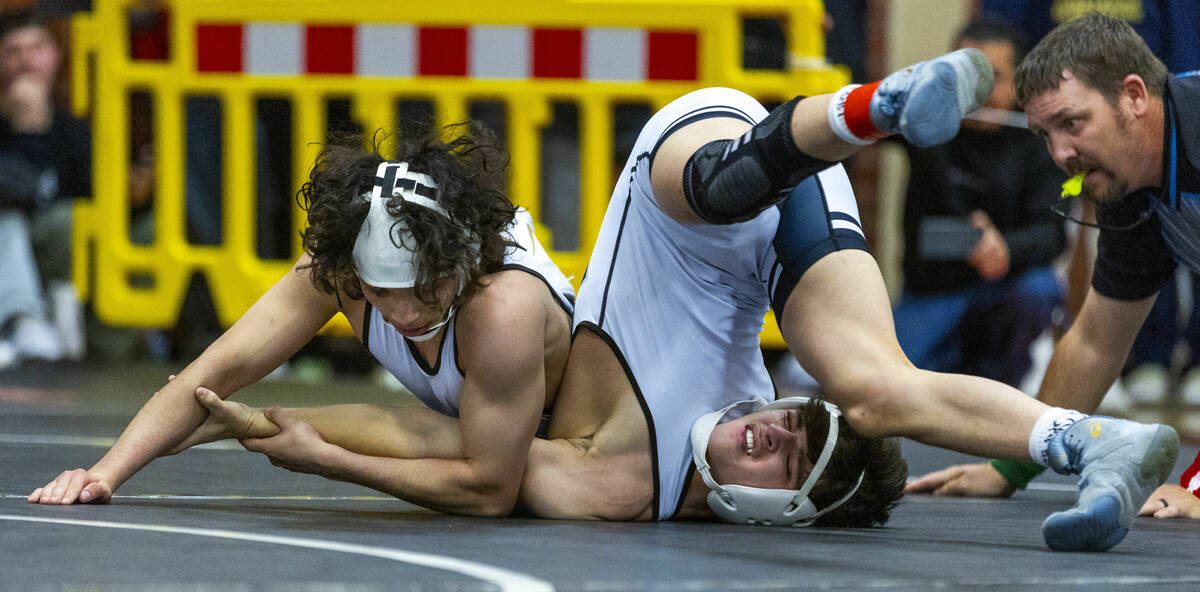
(1089, 135)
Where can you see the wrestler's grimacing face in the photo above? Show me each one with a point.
(764, 449)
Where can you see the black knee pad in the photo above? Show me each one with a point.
(728, 181)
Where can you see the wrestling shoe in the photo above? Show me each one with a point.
(1120, 464)
(926, 103)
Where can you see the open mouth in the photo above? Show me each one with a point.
(749, 441)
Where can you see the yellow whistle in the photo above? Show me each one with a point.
(1073, 186)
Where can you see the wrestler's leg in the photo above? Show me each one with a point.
(838, 322)
(721, 170)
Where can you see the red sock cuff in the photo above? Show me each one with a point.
(858, 112)
(1190, 480)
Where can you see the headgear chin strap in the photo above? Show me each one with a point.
(433, 330)
(383, 252)
(759, 506)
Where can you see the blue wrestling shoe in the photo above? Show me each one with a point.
(1120, 463)
(926, 103)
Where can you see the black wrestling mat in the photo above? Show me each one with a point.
(222, 519)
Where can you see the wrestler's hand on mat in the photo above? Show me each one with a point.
(226, 419)
(1171, 501)
(74, 486)
(974, 480)
(297, 447)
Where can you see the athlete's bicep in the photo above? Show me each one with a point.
(503, 395)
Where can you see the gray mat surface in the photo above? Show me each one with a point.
(225, 519)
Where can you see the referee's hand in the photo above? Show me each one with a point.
(974, 480)
(1171, 501)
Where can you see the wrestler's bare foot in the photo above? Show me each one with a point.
(226, 419)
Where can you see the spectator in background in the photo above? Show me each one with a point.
(45, 158)
(980, 238)
(1169, 28)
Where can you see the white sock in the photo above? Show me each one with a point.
(1045, 441)
(837, 117)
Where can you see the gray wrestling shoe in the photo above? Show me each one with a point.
(1120, 464)
(926, 103)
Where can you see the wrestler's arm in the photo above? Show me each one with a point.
(500, 341)
(275, 327)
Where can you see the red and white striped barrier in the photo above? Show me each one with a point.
(481, 51)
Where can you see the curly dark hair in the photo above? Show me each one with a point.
(883, 483)
(469, 170)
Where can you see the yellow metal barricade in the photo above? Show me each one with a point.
(525, 55)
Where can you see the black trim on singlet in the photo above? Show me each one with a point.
(416, 355)
(773, 280)
(637, 391)
(612, 264)
(825, 205)
(839, 215)
(553, 294)
(687, 484)
(366, 324)
(457, 356)
(705, 112)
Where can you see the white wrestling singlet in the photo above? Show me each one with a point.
(682, 304)
(439, 387)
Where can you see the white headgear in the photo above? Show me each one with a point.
(383, 252)
(769, 507)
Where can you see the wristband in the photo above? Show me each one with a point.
(1018, 472)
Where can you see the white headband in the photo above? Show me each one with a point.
(383, 255)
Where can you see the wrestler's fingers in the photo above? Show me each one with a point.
(35, 496)
(930, 481)
(278, 417)
(954, 487)
(94, 492)
(74, 486)
(252, 444)
(54, 490)
(1152, 506)
(1168, 512)
(207, 398)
